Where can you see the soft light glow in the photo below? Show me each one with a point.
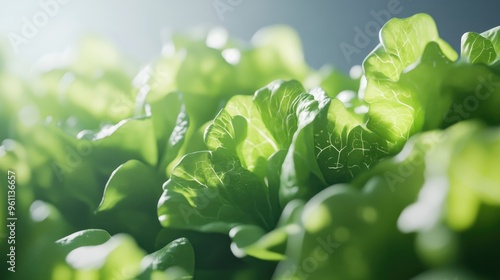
(217, 38)
(356, 71)
(232, 56)
(346, 96)
(39, 211)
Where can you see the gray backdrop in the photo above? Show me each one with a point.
(324, 26)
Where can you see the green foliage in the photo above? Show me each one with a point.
(225, 160)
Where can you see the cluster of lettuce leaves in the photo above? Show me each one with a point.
(224, 160)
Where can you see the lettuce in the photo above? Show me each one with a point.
(225, 160)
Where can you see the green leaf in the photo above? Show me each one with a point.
(252, 128)
(494, 36)
(397, 106)
(240, 128)
(477, 49)
(211, 191)
(89, 237)
(129, 139)
(243, 236)
(277, 104)
(132, 183)
(402, 42)
(344, 148)
(301, 176)
(250, 240)
(253, 241)
(474, 90)
(171, 122)
(177, 254)
(482, 48)
(273, 177)
(129, 201)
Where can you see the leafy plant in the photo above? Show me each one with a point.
(223, 160)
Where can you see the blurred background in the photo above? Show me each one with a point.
(328, 29)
